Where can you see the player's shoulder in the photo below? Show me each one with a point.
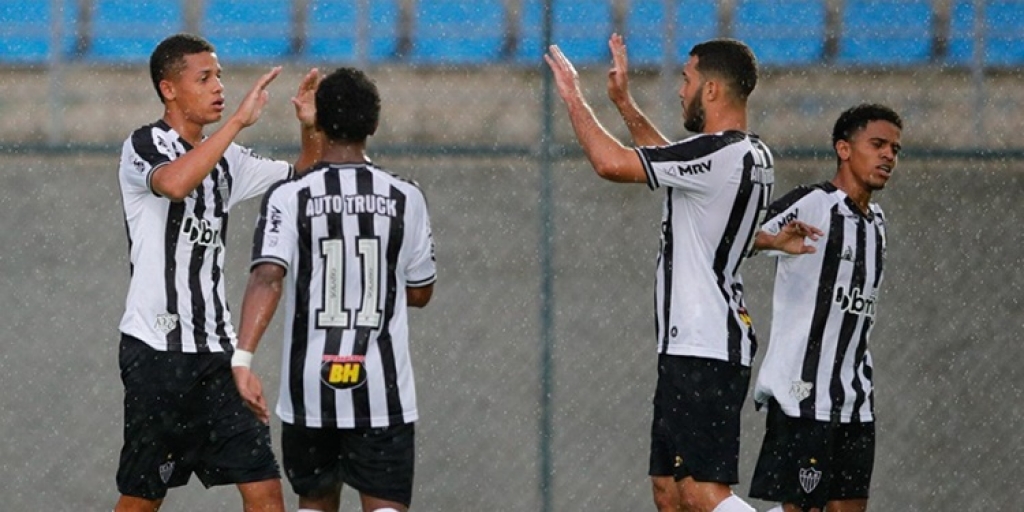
(405, 184)
(723, 138)
(755, 140)
(813, 190)
(393, 176)
(142, 131)
(380, 174)
(288, 186)
(704, 145)
(155, 133)
(804, 195)
(236, 153)
(159, 125)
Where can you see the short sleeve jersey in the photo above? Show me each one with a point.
(717, 188)
(818, 365)
(351, 238)
(176, 298)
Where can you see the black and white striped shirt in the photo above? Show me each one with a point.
(352, 238)
(818, 365)
(176, 299)
(718, 188)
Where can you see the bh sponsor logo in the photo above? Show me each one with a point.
(343, 372)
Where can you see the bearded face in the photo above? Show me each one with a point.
(694, 115)
(690, 94)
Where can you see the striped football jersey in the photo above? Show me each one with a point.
(176, 298)
(818, 365)
(351, 238)
(718, 187)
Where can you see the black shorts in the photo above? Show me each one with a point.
(377, 462)
(183, 415)
(696, 426)
(809, 463)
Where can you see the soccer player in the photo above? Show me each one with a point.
(355, 245)
(718, 183)
(816, 378)
(181, 410)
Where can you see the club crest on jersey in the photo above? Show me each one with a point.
(199, 231)
(800, 390)
(166, 470)
(166, 322)
(809, 478)
(343, 372)
(854, 302)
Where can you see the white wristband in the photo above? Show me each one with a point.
(241, 358)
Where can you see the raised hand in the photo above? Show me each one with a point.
(566, 78)
(305, 99)
(252, 106)
(618, 75)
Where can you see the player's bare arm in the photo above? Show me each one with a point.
(419, 297)
(791, 239)
(179, 178)
(644, 132)
(262, 294)
(610, 159)
(311, 140)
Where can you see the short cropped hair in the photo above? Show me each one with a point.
(730, 60)
(168, 57)
(855, 119)
(347, 105)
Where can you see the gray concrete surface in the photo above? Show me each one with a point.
(947, 346)
(497, 105)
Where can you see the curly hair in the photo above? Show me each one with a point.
(347, 105)
(855, 119)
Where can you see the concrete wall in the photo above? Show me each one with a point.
(501, 105)
(947, 346)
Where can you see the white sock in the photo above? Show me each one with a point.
(734, 504)
(777, 508)
(389, 509)
(308, 510)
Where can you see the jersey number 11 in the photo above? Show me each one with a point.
(333, 313)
